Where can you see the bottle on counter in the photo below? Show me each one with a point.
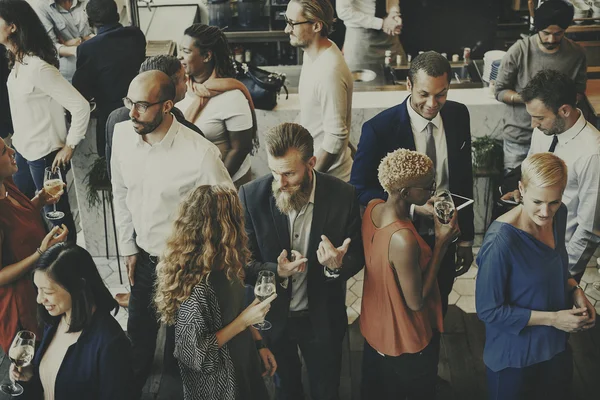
(455, 58)
(467, 55)
(398, 60)
(408, 59)
(388, 58)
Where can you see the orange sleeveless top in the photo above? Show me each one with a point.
(386, 321)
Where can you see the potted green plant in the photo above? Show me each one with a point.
(96, 180)
(487, 156)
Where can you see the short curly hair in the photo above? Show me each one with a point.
(403, 168)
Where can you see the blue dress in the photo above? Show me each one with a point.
(518, 274)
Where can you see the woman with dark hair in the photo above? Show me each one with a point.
(200, 290)
(84, 353)
(216, 102)
(37, 94)
(23, 239)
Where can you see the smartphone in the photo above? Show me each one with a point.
(461, 202)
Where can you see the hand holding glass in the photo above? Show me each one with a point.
(53, 184)
(21, 354)
(264, 288)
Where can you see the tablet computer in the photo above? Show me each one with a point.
(461, 202)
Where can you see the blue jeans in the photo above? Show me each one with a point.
(547, 380)
(30, 179)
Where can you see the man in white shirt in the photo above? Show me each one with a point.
(156, 162)
(560, 127)
(325, 87)
(372, 27)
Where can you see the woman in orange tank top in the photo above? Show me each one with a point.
(401, 314)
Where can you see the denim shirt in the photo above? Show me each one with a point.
(63, 25)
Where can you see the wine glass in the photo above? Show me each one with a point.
(444, 206)
(264, 288)
(53, 184)
(20, 353)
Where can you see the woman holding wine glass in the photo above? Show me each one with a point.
(23, 238)
(401, 313)
(200, 290)
(84, 353)
(525, 294)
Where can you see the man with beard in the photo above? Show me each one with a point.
(156, 162)
(548, 49)
(304, 226)
(560, 128)
(325, 87)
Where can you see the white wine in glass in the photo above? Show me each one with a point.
(53, 184)
(264, 288)
(444, 206)
(21, 354)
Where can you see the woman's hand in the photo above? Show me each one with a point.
(56, 235)
(446, 233)
(23, 374)
(571, 320)
(581, 301)
(46, 198)
(255, 312)
(268, 360)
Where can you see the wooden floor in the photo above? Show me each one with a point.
(461, 364)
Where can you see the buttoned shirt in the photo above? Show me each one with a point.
(37, 94)
(579, 148)
(361, 13)
(62, 25)
(150, 181)
(300, 224)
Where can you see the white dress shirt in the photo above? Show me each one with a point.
(579, 148)
(150, 181)
(361, 13)
(418, 125)
(300, 225)
(37, 93)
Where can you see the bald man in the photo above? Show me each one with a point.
(156, 162)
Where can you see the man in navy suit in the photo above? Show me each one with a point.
(428, 123)
(108, 62)
(304, 226)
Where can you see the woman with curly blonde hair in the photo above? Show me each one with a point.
(200, 291)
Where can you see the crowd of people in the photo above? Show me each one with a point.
(197, 232)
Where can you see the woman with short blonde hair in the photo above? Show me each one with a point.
(200, 290)
(524, 293)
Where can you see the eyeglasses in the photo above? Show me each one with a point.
(141, 106)
(431, 189)
(292, 24)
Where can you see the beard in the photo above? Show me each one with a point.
(558, 126)
(295, 197)
(148, 127)
(549, 46)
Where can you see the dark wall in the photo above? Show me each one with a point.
(448, 26)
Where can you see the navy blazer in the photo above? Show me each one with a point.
(107, 63)
(96, 367)
(336, 215)
(390, 130)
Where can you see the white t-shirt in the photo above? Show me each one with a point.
(227, 112)
(325, 91)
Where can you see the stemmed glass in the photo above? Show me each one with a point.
(20, 353)
(264, 288)
(53, 184)
(444, 206)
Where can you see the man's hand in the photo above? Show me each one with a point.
(580, 301)
(63, 157)
(130, 262)
(330, 256)
(391, 24)
(72, 42)
(426, 210)
(286, 268)
(464, 259)
(268, 360)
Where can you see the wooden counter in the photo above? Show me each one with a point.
(592, 92)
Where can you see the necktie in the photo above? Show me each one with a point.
(380, 8)
(430, 149)
(553, 145)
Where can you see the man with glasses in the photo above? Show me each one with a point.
(548, 49)
(156, 162)
(325, 87)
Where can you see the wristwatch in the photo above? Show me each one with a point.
(260, 344)
(72, 146)
(574, 288)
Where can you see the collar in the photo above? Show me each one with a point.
(314, 185)
(109, 27)
(418, 121)
(52, 3)
(167, 141)
(573, 131)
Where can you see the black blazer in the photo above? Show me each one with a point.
(336, 215)
(390, 130)
(107, 63)
(6, 127)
